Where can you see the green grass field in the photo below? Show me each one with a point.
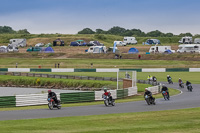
(161, 76)
(97, 63)
(171, 121)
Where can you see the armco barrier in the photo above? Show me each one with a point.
(32, 99)
(97, 70)
(77, 97)
(7, 101)
(154, 89)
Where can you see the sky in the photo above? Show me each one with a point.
(71, 16)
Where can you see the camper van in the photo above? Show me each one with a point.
(17, 42)
(186, 40)
(197, 40)
(192, 48)
(160, 49)
(130, 40)
(119, 43)
(97, 49)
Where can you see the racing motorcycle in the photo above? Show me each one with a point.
(189, 87)
(107, 101)
(170, 81)
(149, 100)
(52, 104)
(166, 97)
(182, 85)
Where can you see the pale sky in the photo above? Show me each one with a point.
(71, 16)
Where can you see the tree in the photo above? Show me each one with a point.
(116, 30)
(169, 35)
(23, 31)
(86, 31)
(100, 31)
(6, 29)
(155, 33)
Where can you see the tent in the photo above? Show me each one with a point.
(49, 50)
(133, 51)
(168, 51)
(3, 49)
(58, 42)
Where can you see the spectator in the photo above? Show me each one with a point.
(139, 56)
(16, 65)
(58, 65)
(55, 65)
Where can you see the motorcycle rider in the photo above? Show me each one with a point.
(154, 79)
(180, 82)
(164, 88)
(168, 78)
(147, 92)
(53, 96)
(106, 93)
(188, 83)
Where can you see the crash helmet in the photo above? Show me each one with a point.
(146, 89)
(105, 89)
(167, 75)
(49, 91)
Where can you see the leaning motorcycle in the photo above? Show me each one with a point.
(149, 100)
(166, 97)
(181, 85)
(52, 104)
(170, 81)
(107, 101)
(189, 87)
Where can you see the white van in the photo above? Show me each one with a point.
(186, 40)
(119, 43)
(192, 48)
(130, 40)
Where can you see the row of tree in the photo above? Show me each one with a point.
(9, 30)
(116, 30)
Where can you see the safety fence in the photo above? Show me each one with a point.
(7, 101)
(76, 97)
(100, 70)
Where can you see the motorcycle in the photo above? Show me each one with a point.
(149, 100)
(170, 81)
(189, 87)
(181, 85)
(107, 101)
(166, 97)
(52, 104)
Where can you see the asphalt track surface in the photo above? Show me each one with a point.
(184, 100)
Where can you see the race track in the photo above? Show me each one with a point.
(184, 100)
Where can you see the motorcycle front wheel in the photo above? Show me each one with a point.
(50, 105)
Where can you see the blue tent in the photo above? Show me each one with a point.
(168, 51)
(49, 50)
(133, 51)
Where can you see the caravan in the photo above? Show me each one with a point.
(197, 40)
(130, 40)
(160, 49)
(186, 40)
(97, 49)
(192, 48)
(17, 43)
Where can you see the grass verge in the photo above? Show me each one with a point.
(179, 121)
